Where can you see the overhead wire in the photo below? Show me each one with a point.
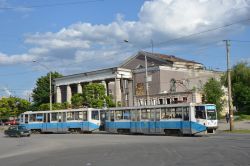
(201, 32)
(51, 5)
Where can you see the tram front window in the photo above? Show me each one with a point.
(200, 112)
(211, 115)
(95, 115)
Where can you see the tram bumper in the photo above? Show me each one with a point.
(211, 129)
(198, 128)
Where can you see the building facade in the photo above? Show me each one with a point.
(169, 79)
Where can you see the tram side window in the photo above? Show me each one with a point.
(200, 112)
(26, 118)
(107, 115)
(39, 117)
(145, 114)
(152, 114)
(78, 115)
(133, 115)
(32, 118)
(95, 115)
(53, 116)
(85, 116)
(166, 113)
(178, 112)
(59, 116)
(21, 118)
(126, 115)
(158, 114)
(70, 115)
(118, 115)
(186, 113)
(112, 116)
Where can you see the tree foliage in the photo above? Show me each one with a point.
(55, 106)
(240, 80)
(13, 106)
(213, 93)
(41, 92)
(93, 96)
(77, 100)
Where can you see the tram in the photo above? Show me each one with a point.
(181, 119)
(62, 121)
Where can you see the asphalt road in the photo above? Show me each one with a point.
(124, 150)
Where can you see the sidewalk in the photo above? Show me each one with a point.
(238, 125)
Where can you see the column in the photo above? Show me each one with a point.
(69, 94)
(58, 95)
(105, 87)
(130, 93)
(118, 93)
(79, 88)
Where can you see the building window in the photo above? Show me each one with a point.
(168, 101)
(141, 102)
(154, 101)
(184, 99)
(160, 102)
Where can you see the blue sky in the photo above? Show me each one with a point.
(72, 36)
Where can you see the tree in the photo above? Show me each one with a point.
(77, 100)
(55, 106)
(41, 92)
(94, 96)
(240, 80)
(13, 106)
(213, 93)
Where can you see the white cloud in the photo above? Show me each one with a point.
(7, 5)
(7, 91)
(160, 20)
(5, 59)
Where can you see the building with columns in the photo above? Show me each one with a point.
(170, 80)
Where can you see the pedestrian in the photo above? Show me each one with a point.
(227, 117)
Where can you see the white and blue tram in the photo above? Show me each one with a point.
(62, 121)
(162, 119)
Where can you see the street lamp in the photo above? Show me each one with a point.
(146, 71)
(50, 94)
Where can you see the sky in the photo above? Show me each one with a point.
(75, 36)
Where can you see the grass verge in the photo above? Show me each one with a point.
(242, 117)
(238, 131)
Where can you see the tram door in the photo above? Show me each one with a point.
(102, 118)
(135, 121)
(46, 120)
(60, 124)
(154, 123)
(186, 123)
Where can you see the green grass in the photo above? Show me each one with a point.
(242, 117)
(238, 131)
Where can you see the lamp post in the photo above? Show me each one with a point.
(50, 94)
(146, 70)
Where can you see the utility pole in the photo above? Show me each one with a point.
(146, 72)
(146, 79)
(229, 85)
(50, 83)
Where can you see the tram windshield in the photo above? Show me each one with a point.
(211, 114)
(200, 112)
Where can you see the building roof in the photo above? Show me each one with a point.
(164, 60)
